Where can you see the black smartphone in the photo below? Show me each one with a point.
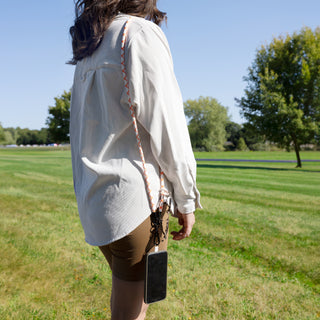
(156, 276)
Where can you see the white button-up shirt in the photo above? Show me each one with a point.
(107, 170)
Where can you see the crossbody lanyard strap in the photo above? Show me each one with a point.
(134, 121)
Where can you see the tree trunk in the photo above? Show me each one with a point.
(297, 150)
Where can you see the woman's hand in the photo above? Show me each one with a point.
(186, 221)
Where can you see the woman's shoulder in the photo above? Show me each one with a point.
(142, 28)
(144, 24)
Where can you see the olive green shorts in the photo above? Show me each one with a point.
(126, 256)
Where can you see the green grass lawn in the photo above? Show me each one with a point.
(254, 252)
(259, 155)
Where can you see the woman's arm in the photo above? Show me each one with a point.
(159, 108)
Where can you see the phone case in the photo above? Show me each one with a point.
(156, 277)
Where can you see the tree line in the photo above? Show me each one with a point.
(57, 130)
(209, 126)
(19, 136)
(281, 104)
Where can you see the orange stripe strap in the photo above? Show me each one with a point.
(135, 126)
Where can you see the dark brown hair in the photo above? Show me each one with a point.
(94, 16)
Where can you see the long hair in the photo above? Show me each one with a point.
(92, 18)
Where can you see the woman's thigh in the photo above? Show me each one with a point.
(126, 256)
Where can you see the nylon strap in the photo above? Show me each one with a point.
(135, 126)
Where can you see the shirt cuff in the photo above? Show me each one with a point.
(187, 206)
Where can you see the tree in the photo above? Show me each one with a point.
(43, 136)
(7, 136)
(254, 141)
(241, 145)
(12, 134)
(207, 120)
(233, 131)
(59, 118)
(282, 98)
(27, 136)
(2, 136)
(251, 140)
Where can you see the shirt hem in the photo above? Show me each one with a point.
(118, 237)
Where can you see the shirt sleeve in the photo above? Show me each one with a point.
(159, 109)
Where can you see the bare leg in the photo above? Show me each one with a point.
(127, 301)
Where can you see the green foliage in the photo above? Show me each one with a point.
(254, 141)
(59, 118)
(27, 136)
(7, 136)
(23, 136)
(282, 98)
(12, 134)
(241, 145)
(2, 136)
(249, 138)
(233, 133)
(207, 121)
(9, 139)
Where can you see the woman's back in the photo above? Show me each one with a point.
(107, 168)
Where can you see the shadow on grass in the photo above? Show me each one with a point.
(219, 166)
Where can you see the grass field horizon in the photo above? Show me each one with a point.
(254, 252)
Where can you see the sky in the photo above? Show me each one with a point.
(212, 43)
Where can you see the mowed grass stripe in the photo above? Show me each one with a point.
(263, 244)
(254, 176)
(300, 190)
(253, 253)
(259, 155)
(263, 198)
(283, 223)
(270, 179)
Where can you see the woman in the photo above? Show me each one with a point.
(109, 186)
